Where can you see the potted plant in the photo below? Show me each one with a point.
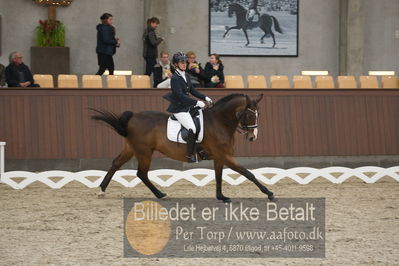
(49, 55)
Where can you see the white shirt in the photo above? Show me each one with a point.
(182, 73)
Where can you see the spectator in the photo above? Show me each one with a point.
(17, 73)
(2, 76)
(106, 44)
(194, 70)
(163, 71)
(213, 72)
(151, 42)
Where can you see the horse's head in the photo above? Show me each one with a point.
(248, 118)
(236, 8)
(231, 10)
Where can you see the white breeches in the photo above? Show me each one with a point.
(185, 119)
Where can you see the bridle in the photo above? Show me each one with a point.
(245, 127)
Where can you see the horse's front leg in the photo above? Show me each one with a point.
(246, 36)
(230, 162)
(229, 29)
(218, 176)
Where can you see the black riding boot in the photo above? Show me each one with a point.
(191, 147)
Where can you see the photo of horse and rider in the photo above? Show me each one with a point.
(253, 27)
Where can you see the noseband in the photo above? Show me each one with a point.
(244, 128)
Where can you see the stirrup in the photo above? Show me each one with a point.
(192, 159)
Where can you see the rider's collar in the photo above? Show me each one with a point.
(180, 72)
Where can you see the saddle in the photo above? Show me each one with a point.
(177, 133)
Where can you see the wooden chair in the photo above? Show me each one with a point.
(325, 82)
(390, 82)
(279, 82)
(68, 81)
(347, 82)
(234, 82)
(257, 82)
(92, 81)
(368, 82)
(116, 82)
(140, 82)
(45, 81)
(302, 82)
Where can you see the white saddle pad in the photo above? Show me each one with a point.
(174, 127)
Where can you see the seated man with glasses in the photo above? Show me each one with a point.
(17, 73)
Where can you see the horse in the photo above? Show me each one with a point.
(145, 132)
(265, 22)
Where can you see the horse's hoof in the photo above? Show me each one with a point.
(272, 198)
(161, 195)
(246, 44)
(226, 27)
(224, 199)
(101, 194)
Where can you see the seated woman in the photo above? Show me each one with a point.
(194, 70)
(213, 72)
(181, 103)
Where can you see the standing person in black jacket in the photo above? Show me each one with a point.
(214, 72)
(106, 44)
(151, 42)
(17, 73)
(181, 103)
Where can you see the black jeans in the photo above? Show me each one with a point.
(105, 62)
(149, 67)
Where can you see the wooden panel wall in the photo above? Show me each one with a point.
(55, 123)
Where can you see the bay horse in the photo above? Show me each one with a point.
(265, 22)
(145, 132)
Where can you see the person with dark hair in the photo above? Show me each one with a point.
(213, 72)
(194, 70)
(106, 44)
(151, 42)
(163, 71)
(2, 76)
(181, 103)
(17, 73)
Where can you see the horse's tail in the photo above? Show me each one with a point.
(277, 25)
(117, 122)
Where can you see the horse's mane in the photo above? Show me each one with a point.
(227, 99)
(238, 6)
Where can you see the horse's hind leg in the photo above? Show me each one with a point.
(218, 175)
(261, 39)
(144, 161)
(122, 158)
(238, 168)
(274, 39)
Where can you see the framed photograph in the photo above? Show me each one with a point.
(253, 27)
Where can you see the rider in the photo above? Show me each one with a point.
(253, 10)
(181, 103)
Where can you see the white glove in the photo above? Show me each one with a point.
(200, 104)
(208, 100)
